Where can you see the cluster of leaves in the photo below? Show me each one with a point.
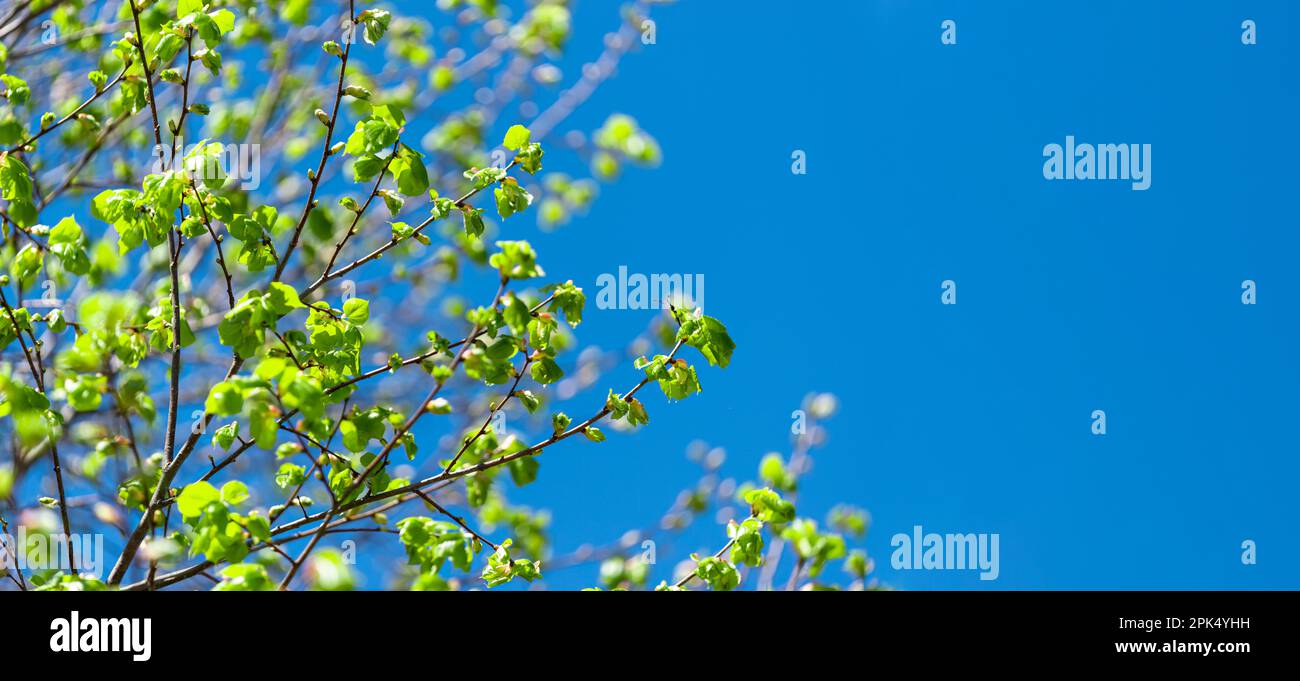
(745, 547)
(219, 534)
(430, 544)
(756, 541)
(224, 311)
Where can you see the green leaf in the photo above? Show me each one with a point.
(196, 497)
(473, 218)
(857, 564)
(812, 546)
(225, 20)
(69, 243)
(370, 136)
(569, 300)
(26, 265)
(224, 399)
(393, 201)
(16, 188)
(389, 114)
(290, 475)
(211, 59)
(438, 405)
(747, 542)
(540, 332)
(362, 427)
(516, 314)
(356, 310)
(636, 415)
(376, 23)
(305, 394)
(282, 299)
(85, 391)
(546, 371)
(678, 380)
(773, 472)
(258, 527)
(530, 158)
(516, 137)
(516, 260)
(17, 89)
(187, 7)
(482, 178)
(500, 569)
(616, 406)
(530, 401)
(56, 321)
(245, 577)
(225, 435)
(168, 46)
(97, 78)
(768, 506)
(409, 171)
(511, 198)
(366, 167)
(234, 492)
(719, 574)
(524, 470)
(709, 336)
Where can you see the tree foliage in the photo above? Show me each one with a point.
(230, 363)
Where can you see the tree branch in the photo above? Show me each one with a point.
(55, 126)
(38, 374)
(398, 436)
(328, 276)
(324, 154)
(457, 519)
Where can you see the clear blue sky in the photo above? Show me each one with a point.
(925, 164)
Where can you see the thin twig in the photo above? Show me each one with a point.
(324, 154)
(55, 126)
(457, 519)
(38, 374)
(328, 276)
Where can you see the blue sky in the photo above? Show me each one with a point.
(925, 164)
